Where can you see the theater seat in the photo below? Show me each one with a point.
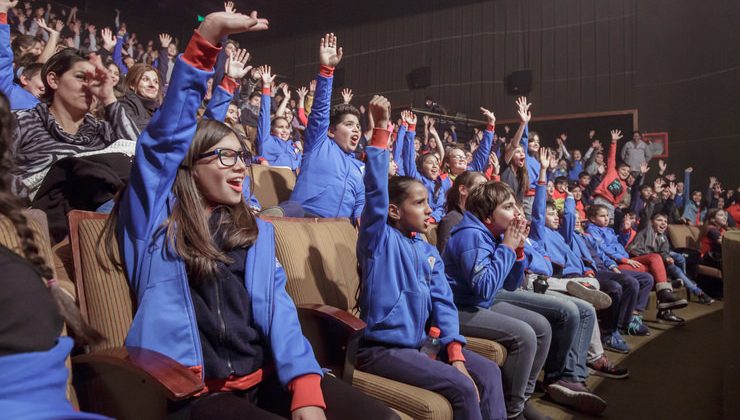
(688, 237)
(272, 184)
(320, 261)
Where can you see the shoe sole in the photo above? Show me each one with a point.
(596, 372)
(584, 402)
(681, 303)
(599, 299)
(615, 350)
(626, 332)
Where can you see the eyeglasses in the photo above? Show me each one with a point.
(228, 157)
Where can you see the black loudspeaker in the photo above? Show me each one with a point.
(519, 82)
(419, 78)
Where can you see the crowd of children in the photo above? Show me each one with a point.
(551, 252)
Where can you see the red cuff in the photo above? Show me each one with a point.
(490, 127)
(326, 71)
(404, 123)
(412, 127)
(4, 18)
(541, 183)
(306, 391)
(454, 352)
(200, 53)
(229, 84)
(519, 253)
(266, 91)
(261, 159)
(380, 138)
(589, 273)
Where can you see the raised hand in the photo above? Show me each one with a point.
(266, 76)
(411, 118)
(100, 82)
(591, 134)
(329, 54)
(644, 168)
(302, 92)
(286, 90)
(523, 109)
(229, 7)
(489, 116)
(673, 188)
(42, 24)
(347, 95)
(312, 86)
(380, 110)
(544, 158)
(6, 5)
(689, 170)
(658, 185)
(76, 26)
(109, 40)
(220, 24)
(616, 135)
(92, 28)
(165, 40)
(236, 64)
(712, 181)
(662, 165)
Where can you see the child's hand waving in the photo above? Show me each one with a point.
(329, 54)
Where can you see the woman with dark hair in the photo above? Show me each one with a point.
(62, 125)
(455, 205)
(143, 94)
(33, 310)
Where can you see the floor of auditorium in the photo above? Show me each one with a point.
(675, 373)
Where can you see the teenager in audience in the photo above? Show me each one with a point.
(20, 97)
(33, 311)
(404, 285)
(185, 195)
(652, 239)
(456, 161)
(600, 234)
(694, 210)
(711, 238)
(613, 186)
(482, 257)
(330, 183)
(273, 137)
(528, 144)
(455, 205)
(143, 94)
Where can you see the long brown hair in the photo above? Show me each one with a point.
(11, 208)
(134, 75)
(187, 229)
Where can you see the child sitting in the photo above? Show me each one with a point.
(711, 238)
(652, 239)
(404, 288)
(273, 138)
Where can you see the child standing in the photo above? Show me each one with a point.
(404, 288)
(613, 186)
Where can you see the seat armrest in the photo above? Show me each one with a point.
(177, 381)
(334, 335)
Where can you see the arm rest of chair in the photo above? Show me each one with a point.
(334, 335)
(175, 380)
(705, 270)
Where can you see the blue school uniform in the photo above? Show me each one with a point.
(436, 190)
(18, 97)
(276, 151)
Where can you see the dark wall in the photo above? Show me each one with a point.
(678, 62)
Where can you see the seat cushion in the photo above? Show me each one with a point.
(684, 236)
(488, 349)
(272, 185)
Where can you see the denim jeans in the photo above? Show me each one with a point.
(572, 321)
(678, 270)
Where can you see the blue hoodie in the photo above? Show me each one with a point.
(591, 254)
(538, 262)
(477, 264)
(330, 183)
(276, 151)
(18, 97)
(533, 165)
(605, 238)
(398, 148)
(35, 385)
(436, 200)
(550, 240)
(403, 279)
(165, 320)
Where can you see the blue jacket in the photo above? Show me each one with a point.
(592, 255)
(35, 385)
(605, 238)
(533, 165)
(330, 183)
(165, 320)
(478, 265)
(550, 240)
(480, 157)
(276, 151)
(437, 204)
(537, 260)
(403, 279)
(18, 97)
(398, 149)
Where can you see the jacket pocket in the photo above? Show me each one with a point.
(405, 318)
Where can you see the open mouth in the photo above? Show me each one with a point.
(235, 184)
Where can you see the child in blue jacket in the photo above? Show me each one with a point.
(209, 291)
(19, 97)
(404, 290)
(273, 138)
(330, 183)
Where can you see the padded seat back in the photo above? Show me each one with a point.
(319, 259)
(684, 236)
(272, 185)
(103, 292)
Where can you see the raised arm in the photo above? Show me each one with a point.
(51, 43)
(302, 118)
(539, 206)
(375, 213)
(263, 123)
(568, 227)
(235, 69)
(409, 155)
(330, 54)
(284, 104)
(687, 185)
(611, 163)
(480, 157)
(399, 145)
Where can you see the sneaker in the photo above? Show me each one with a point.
(705, 299)
(603, 367)
(585, 291)
(531, 413)
(669, 316)
(614, 342)
(636, 327)
(577, 396)
(668, 300)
